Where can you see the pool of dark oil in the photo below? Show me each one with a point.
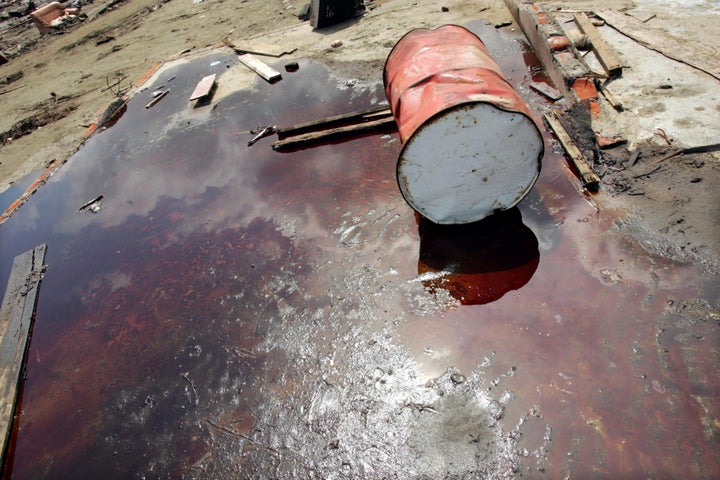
(221, 314)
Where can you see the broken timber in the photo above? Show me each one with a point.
(336, 121)
(259, 67)
(589, 179)
(607, 58)
(312, 138)
(547, 91)
(16, 318)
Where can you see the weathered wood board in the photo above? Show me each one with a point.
(16, 317)
(259, 67)
(204, 87)
(605, 55)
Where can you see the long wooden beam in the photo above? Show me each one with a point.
(17, 315)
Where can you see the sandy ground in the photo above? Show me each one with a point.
(66, 79)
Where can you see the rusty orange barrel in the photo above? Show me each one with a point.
(470, 145)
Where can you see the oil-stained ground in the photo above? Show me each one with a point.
(235, 312)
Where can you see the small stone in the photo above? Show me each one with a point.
(445, 9)
(458, 378)
(292, 67)
(336, 44)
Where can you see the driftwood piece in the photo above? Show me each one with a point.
(335, 121)
(692, 54)
(313, 138)
(589, 179)
(16, 318)
(12, 89)
(605, 55)
(259, 67)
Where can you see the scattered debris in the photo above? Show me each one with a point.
(262, 49)
(104, 39)
(93, 205)
(3, 92)
(192, 395)
(259, 67)
(157, 98)
(118, 80)
(352, 118)
(605, 55)
(612, 100)
(503, 24)
(16, 318)
(47, 112)
(264, 132)
(655, 170)
(13, 77)
(324, 13)
(577, 38)
(304, 13)
(563, 66)
(649, 18)
(634, 157)
(690, 53)
(546, 90)
(204, 88)
(312, 138)
(52, 15)
(590, 180)
(112, 112)
(662, 134)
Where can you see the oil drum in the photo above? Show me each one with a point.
(470, 145)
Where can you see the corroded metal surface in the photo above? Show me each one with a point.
(235, 312)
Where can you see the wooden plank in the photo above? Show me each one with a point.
(16, 318)
(589, 179)
(334, 121)
(259, 67)
(312, 138)
(605, 55)
(693, 54)
(204, 87)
